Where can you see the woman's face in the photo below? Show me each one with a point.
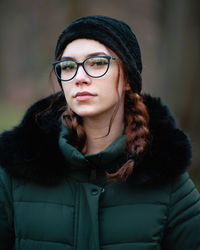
(92, 97)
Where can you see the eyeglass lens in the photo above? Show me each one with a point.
(93, 66)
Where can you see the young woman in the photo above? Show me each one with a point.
(98, 165)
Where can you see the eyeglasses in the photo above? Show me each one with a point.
(94, 66)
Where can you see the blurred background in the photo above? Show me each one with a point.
(168, 32)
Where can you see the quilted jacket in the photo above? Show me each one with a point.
(48, 202)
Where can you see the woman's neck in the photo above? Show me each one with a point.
(97, 131)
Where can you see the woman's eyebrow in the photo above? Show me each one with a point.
(88, 55)
(97, 54)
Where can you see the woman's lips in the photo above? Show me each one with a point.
(83, 96)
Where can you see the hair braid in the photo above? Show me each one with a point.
(136, 130)
(74, 123)
(136, 123)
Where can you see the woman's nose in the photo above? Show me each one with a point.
(82, 77)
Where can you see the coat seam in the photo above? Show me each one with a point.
(135, 204)
(17, 237)
(53, 203)
(182, 198)
(187, 219)
(180, 186)
(130, 242)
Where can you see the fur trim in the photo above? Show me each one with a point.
(169, 153)
(30, 151)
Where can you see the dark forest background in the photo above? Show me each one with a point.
(168, 32)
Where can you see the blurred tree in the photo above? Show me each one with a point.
(180, 66)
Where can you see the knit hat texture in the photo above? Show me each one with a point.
(114, 34)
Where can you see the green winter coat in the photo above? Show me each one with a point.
(48, 203)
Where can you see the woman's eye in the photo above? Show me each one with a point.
(68, 66)
(99, 62)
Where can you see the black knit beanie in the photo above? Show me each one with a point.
(114, 34)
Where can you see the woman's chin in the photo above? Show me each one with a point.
(94, 111)
(89, 112)
(86, 113)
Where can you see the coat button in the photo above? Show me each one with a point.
(94, 191)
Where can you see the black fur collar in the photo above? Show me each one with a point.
(30, 151)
